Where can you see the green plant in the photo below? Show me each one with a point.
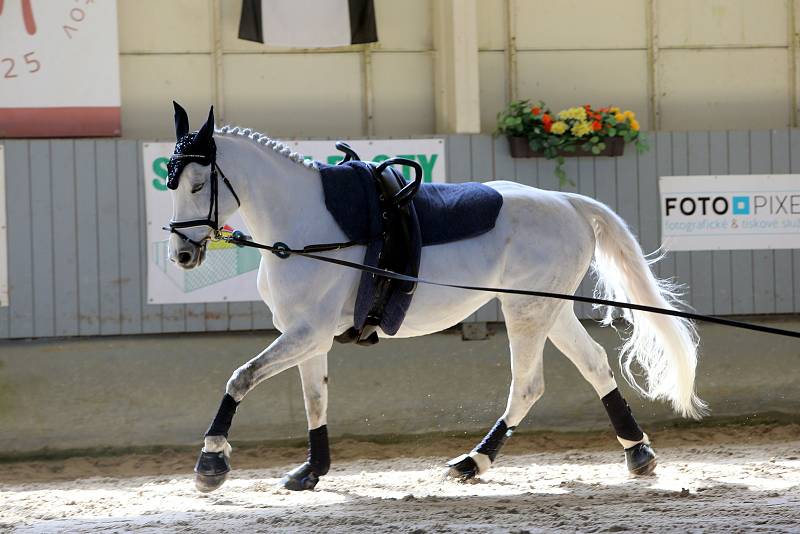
(563, 133)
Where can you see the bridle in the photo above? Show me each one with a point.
(212, 219)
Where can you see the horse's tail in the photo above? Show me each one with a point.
(664, 347)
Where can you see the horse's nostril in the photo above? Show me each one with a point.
(184, 257)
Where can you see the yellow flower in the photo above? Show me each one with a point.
(559, 127)
(620, 117)
(572, 113)
(635, 125)
(630, 115)
(614, 109)
(582, 128)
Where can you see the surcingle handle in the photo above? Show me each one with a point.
(349, 153)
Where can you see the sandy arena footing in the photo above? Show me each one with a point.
(732, 479)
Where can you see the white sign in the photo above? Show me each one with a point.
(228, 273)
(730, 212)
(59, 68)
(3, 238)
(429, 153)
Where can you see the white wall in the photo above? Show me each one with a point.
(679, 64)
(167, 51)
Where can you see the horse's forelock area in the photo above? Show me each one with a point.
(726, 479)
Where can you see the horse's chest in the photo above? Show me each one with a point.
(262, 282)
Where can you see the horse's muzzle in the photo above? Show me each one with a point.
(188, 256)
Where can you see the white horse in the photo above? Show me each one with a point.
(542, 240)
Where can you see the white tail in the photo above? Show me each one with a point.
(664, 347)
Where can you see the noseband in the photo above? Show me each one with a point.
(176, 164)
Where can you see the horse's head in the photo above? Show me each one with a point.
(199, 205)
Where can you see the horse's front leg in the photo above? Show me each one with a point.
(314, 377)
(290, 349)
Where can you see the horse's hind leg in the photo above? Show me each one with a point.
(571, 338)
(526, 339)
(314, 377)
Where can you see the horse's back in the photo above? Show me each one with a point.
(539, 241)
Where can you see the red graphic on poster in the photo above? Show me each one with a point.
(27, 16)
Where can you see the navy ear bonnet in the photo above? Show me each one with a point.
(195, 147)
(189, 149)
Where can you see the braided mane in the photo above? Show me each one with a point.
(266, 142)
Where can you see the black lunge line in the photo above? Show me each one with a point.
(283, 251)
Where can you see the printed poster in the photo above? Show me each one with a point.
(730, 212)
(228, 273)
(59, 68)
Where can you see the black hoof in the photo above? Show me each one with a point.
(301, 478)
(211, 470)
(641, 459)
(462, 468)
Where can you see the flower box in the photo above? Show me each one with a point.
(534, 131)
(519, 147)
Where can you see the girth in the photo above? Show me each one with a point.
(398, 222)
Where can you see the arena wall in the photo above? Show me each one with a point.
(71, 375)
(679, 64)
(77, 223)
(85, 361)
(136, 391)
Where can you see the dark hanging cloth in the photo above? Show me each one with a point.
(286, 23)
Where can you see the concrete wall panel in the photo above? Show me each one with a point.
(599, 55)
(292, 95)
(405, 25)
(573, 78)
(165, 27)
(403, 97)
(722, 22)
(711, 87)
(492, 24)
(149, 85)
(570, 24)
(492, 87)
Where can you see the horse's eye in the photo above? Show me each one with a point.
(198, 187)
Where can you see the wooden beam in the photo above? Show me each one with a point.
(456, 66)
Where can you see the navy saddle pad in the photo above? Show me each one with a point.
(444, 212)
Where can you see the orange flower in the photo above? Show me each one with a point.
(547, 120)
(536, 110)
(596, 125)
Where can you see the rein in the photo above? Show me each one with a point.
(283, 251)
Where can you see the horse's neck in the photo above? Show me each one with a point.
(279, 196)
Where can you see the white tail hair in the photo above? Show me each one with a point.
(663, 346)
